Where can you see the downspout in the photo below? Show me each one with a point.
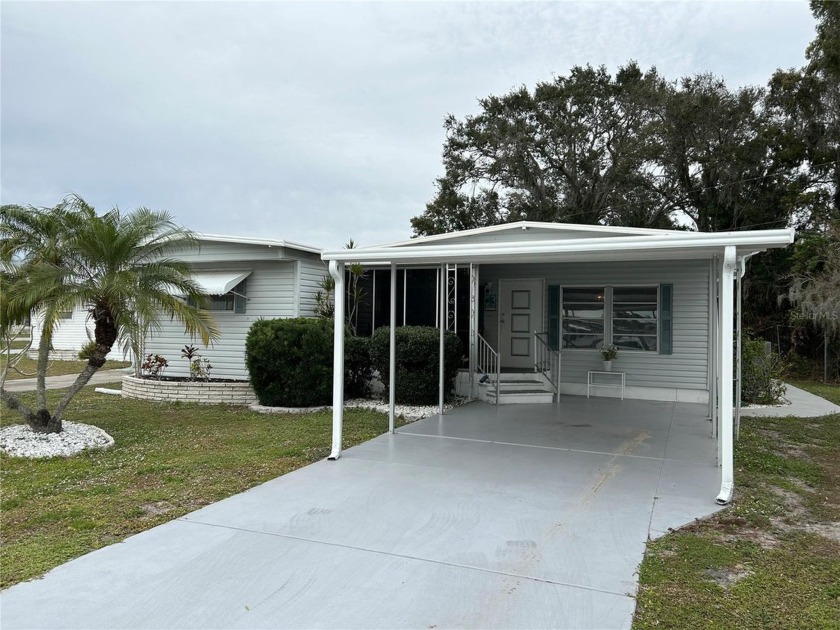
(337, 273)
(725, 400)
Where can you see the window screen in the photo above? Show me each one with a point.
(583, 317)
(227, 302)
(635, 316)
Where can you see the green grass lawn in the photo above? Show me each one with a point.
(168, 460)
(772, 560)
(57, 368)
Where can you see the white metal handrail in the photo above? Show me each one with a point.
(489, 364)
(547, 362)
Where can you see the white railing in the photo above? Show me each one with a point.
(488, 364)
(547, 362)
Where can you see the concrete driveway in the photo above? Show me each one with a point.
(528, 516)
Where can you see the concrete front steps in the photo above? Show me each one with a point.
(517, 388)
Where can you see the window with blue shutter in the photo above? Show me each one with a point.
(554, 316)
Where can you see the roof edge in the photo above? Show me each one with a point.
(578, 227)
(760, 239)
(254, 240)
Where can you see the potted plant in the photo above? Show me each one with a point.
(608, 354)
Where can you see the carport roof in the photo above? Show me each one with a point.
(528, 241)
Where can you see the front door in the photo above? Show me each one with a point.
(520, 316)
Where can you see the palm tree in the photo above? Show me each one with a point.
(118, 266)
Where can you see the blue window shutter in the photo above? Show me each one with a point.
(666, 319)
(554, 316)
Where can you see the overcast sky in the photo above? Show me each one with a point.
(314, 122)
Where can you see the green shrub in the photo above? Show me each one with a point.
(358, 369)
(417, 362)
(290, 362)
(761, 373)
(87, 350)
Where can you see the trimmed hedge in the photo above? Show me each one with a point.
(417, 362)
(358, 369)
(290, 362)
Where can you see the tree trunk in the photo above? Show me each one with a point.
(14, 404)
(39, 419)
(41, 369)
(105, 334)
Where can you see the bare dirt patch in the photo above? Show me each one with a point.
(726, 578)
(763, 538)
(156, 509)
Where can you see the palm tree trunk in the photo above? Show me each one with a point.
(14, 404)
(96, 361)
(105, 333)
(39, 419)
(41, 370)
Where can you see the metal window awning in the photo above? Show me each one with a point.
(218, 282)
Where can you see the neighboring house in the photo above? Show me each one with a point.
(545, 297)
(74, 331)
(247, 278)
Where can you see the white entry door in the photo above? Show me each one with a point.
(520, 316)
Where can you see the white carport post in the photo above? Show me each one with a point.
(727, 316)
(443, 284)
(473, 327)
(337, 272)
(392, 358)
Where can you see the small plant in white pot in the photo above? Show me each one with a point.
(608, 354)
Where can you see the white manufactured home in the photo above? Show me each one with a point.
(534, 303)
(247, 279)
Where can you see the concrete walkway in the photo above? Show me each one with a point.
(802, 405)
(60, 382)
(520, 516)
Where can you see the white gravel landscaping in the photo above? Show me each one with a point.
(408, 412)
(782, 403)
(18, 440)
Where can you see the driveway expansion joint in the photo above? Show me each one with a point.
(549, 448)
(406, 557)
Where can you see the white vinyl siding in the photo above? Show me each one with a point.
(312, 272)
(69, 336)
(270, 295)
(685, 368)
(282, 284)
